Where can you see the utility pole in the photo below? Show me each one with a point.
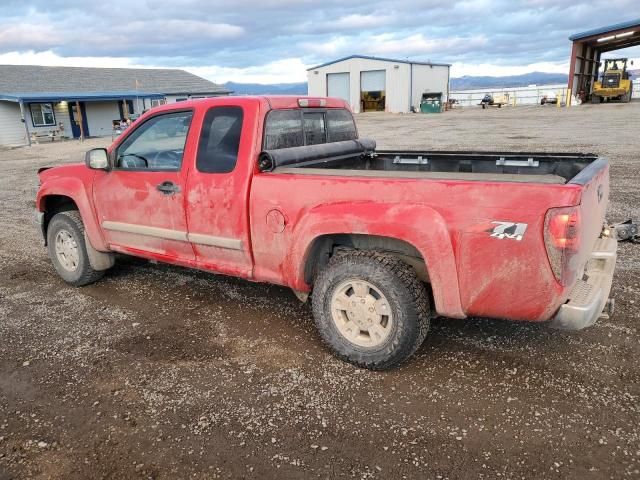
(24, 120)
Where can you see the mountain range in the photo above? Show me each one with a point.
(533, 78)
(460, 83)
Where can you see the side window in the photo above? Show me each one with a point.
(340, 126)
(219, 140)
(157, 144)
(314, 130)
(283, 130)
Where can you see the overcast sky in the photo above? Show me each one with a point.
(271, 41)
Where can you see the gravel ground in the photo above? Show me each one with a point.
(161, 372)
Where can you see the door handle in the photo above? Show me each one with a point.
(168, 188)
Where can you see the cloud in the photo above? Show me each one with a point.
(288, 70)
(418, 44)
(388, 44)
(28, 35)
(276, 39)
(51, 59)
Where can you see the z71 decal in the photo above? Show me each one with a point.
(510, 230)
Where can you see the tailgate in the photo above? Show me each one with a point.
(593, 207)
(592, 262)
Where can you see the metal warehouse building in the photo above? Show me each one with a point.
(380, 84)
(588, 47)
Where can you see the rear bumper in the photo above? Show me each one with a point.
(590, 295)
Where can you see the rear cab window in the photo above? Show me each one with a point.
(219, 140)
(300, 127)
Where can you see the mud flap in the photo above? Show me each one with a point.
(99, 260)
(302, 296)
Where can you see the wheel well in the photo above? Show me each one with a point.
(55, 204)
(325, 246)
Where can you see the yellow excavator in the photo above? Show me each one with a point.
(615, 83)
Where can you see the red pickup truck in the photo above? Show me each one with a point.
(282, 190)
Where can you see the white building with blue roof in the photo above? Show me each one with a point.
(380, 84)
(76, 101)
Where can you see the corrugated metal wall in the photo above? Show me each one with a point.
(429, 79)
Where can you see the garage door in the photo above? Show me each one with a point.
(338, 86)
(373, 91)
(373, 81)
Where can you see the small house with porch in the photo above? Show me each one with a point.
(79, 102)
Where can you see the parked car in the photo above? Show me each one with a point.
(549, 97)
(282, 190)
(494, 101)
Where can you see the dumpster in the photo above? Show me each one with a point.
(431, 103)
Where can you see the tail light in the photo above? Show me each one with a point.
(562, 240)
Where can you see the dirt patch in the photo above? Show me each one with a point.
(161, 372)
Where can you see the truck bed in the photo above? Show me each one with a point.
(548, 168)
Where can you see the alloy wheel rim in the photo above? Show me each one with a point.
(361, 313)
(66, 249)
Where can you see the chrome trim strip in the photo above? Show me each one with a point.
(212, 241)
(143, 230)
(199, 238)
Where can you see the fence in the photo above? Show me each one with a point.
(521, 95)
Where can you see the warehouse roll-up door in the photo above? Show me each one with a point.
(373, 90)
(338, 86)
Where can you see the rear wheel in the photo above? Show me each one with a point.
(370, 309)
(595, 99)
(68, 251)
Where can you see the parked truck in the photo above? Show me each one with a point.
(282, 190)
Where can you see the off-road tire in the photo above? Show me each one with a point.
(406, 296)
(71, 221)
(626, 98)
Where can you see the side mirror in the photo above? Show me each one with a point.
(97, 159)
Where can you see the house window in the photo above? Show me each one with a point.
(158, 102)
(42, 114)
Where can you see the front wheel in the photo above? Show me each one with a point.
(370, 309)
(68, 251)
(626, 98)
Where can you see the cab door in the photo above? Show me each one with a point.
(217, 204)
(140, 201)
